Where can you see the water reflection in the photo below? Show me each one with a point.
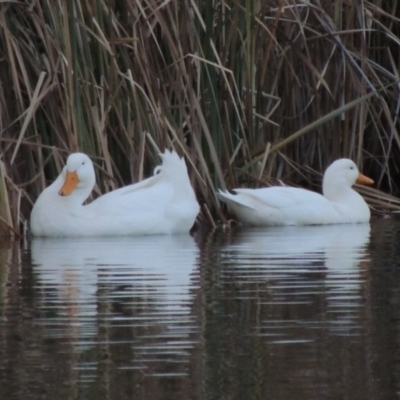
(281, 313)
(91, 286)
(298, 263)
(292, 304)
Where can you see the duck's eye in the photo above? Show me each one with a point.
(83, 162)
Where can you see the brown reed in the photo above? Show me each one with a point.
(248, 91)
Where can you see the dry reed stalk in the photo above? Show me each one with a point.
(6, 222)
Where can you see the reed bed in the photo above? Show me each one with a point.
(250, 92)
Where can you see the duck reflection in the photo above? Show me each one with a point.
(309, 266)
(144, 283)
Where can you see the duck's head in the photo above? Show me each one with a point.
(343, 173)
(78, 174)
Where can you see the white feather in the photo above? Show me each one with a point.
(162, 204)
(294, 206)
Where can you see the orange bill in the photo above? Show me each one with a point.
(71, 180)
(364, 180)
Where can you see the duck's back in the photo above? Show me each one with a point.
(164, 203)
(292, 206)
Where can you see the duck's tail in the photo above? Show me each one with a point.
(172, 165)
(173, 170)
(226, 197)
(237, 199)
(223, 195)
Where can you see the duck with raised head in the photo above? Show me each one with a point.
(277, 205)
(162, 204)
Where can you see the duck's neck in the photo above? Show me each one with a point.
(339, 192)
(76, 198)
(79, 195)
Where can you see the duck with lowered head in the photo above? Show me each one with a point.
(162, 204)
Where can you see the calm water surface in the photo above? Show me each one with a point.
(279, 313)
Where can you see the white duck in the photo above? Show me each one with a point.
(294, 206)
(162, 204)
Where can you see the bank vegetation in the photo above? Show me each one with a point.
(251, 93)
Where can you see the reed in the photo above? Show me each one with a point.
(248, 91)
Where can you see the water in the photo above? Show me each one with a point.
(276, 313)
